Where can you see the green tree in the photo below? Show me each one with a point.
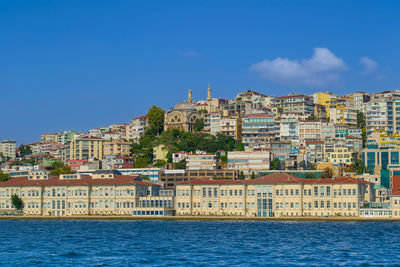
(155, 118)
(274, 164)
(24, 150)
(239, 147)
(16, 201)
(241, 175)
(180, 165)
(159, 163)
(199, 125)
(253, 176)
(328, 172)
(63, 170)
(360, 120)
(4, 176)
(141, 162)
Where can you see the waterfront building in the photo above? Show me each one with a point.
(8, 148)
(76, 194)
(152, 173)
(249, 162)
(273, 195)
(170, 178)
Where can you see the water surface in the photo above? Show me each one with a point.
(198, 243)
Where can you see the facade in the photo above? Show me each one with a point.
(249, 162)
(183, 116)
(274, 195)
(136, 128)
(201, 162)
(118, 148)
(258, 129)
(344, 115)
(8, 148)
(170, 178)
(86, 147)
(75, 194)
(295, 103)
(49, 138)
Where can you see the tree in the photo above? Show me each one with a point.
(357, 166)
(328, 172)
(159, 163)
(274, 164)
(361, 123)
(241, 175)
(24, 150)
(253, 176)
(4, 176)
(239, 147)
(180, 165)
(155, 118)
(199, 125)
(16, 201)
(141, 162)
(63, 170)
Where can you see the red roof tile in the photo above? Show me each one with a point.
(86, 180)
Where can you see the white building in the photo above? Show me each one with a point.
(201, 162)
(249, 162)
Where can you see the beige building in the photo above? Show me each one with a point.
(273, 195)
(116, 147)
(8, 148)
(86, 147)
(75, 194)
(183, 116)
(201, 162)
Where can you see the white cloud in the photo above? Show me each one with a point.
(321, 69)
(370, 66)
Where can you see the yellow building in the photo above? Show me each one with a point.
(392, 141)
(395, 202)
(75, 194)
(343, 115)
(273, 195)
(340, 155)
(116, 147)
(326, 99)
(86, 148)
(49, 138)
(159, 153)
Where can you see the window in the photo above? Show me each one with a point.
(316, 204)
(328, 191)
(316, 192)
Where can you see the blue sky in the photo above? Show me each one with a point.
(85, 64)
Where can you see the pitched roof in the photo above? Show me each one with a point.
(276, 178)
(86, 180)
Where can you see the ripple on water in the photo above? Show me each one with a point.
(198, 243)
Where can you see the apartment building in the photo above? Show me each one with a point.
(86, 147)
(136, 128)
(295, 103)
(274, 195)
(344, 115)
(249, 162)
(8, 148)
(258, 129)
(75, 194)
(116, 148)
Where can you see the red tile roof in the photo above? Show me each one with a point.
(86, 180)
(277, 178)
(258, 115)
(290, 96)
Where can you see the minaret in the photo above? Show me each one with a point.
(190, 100)
(209, 93)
